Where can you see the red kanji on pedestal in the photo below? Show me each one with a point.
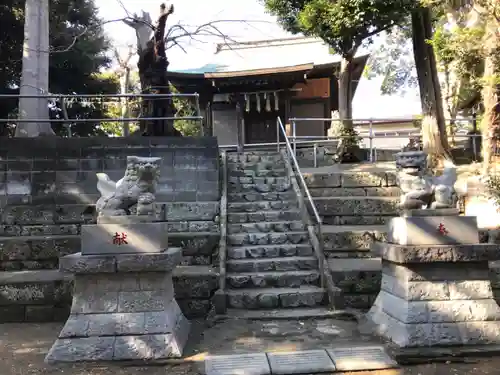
(120, 239)
(442, 230)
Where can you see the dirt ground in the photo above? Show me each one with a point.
(23, 348)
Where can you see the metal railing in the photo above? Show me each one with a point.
(303, 185)
(87, 99)
(372, 134)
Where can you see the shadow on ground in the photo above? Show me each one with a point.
(24, 346)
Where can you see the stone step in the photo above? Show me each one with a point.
(243, 239)
(258, 188)
(265, 184)
(254, 196)
(35, 296)
(35, 252)
(345, 220)
(349, 179)
(349, 238)
(269, 298)
(390, 191)
(269, 251)
(267, 227)
(357, 206)
(252, 217)
(257, 173)
(259, 206)
(288, 279)
(239, 165)
(288, 314)
(359, 280)
(255, 157)
(295, 263)
(39, 230)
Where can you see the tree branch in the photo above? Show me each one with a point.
(208, 29)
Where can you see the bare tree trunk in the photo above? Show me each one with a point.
(345, 92)
(489, 94)
(35, 71)
(153, 66)
(434, 138)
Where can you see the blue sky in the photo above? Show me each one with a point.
(368, 102)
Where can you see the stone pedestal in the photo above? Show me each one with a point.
(433, 230)
(124, 237)
(436, 295)
(123, 309)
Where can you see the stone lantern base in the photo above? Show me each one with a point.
(436, 295)
(123, 309)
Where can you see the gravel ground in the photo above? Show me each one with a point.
(23, 348)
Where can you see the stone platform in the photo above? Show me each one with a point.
(436, 295)
(123, 309)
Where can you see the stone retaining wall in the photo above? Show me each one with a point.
(359, 278)
(48, 188)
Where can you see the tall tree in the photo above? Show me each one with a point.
(434, 137)
(344, 25)
(77, 53)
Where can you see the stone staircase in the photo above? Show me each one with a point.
(270, 261)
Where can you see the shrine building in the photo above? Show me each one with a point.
(248, 85)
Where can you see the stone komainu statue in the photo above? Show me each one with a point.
(137, 187)
(419, 188)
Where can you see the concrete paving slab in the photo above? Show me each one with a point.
(361, 358)
(238, 364)
(303, 362)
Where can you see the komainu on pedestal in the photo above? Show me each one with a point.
(123, 304)
(435, 288)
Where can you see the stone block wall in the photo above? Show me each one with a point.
(48, 188)
(354, 198)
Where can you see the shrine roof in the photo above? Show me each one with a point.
(277, 56)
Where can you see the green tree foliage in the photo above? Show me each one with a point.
(344, 25)
(77, 52)
(392, 59)
(185, 107)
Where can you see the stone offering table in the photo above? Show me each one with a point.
(436, 288)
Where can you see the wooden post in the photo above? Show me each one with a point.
(239, 122)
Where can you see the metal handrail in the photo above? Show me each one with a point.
(292, 156)
(315, 231)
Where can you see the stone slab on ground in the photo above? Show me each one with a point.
(425, 230)
(361, 358)
(239, 364)
(300, 362)
(124, 238)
